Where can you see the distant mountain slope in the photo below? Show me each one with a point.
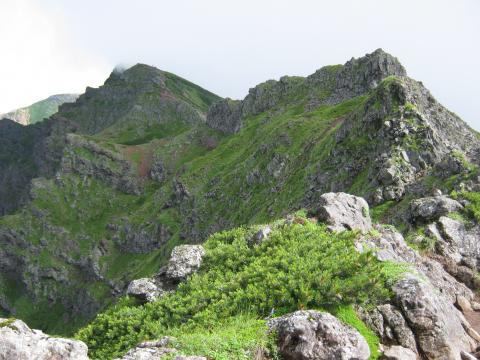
(139, 102)
(40, 110)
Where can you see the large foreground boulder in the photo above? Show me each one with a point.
(313, 335)
(19, 342)
(439, 327)
(341, 211)
(422, 316)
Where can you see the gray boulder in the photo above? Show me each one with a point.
(150, 350)
(148, 353)
(19, 342)
(459, 243)
(431, 208)
(341, 211)
(155, 350)
(184, 261)
(144, 290)
(313, 335)
(398, 353)
(437, 324)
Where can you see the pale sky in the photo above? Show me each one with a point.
(228, 46)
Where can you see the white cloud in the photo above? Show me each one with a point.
(37, 58)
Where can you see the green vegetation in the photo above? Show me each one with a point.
(379, 212)
(473, 206)
(7, 322)
(348, 315)
(240, 338)
(300, 266)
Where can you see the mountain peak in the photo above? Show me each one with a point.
(139, 97)
(138, 74)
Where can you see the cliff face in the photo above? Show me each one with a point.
(149, 161)
(26, 153)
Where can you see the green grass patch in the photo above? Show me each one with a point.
(379, 212)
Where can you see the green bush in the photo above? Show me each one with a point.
(300, 266)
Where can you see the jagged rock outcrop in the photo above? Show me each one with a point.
(19, 342)
(388, 146)
(341, 211)
(226, 116)
(356, 77)
(329, 85)
(457, 243)
(313, 335)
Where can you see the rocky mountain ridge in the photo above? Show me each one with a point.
(149, 161)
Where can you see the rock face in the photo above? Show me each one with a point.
(422, 316)
(28, 152)
(357, 76)
(399, 353)
(457, 243)
(100, 163)
(342, 211)
(226, 116)
(19, 342)
(437, 323)
(312, 335)
(430, 208)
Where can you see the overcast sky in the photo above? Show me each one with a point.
(227, 46)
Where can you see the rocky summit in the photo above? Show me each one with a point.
(333, 216)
